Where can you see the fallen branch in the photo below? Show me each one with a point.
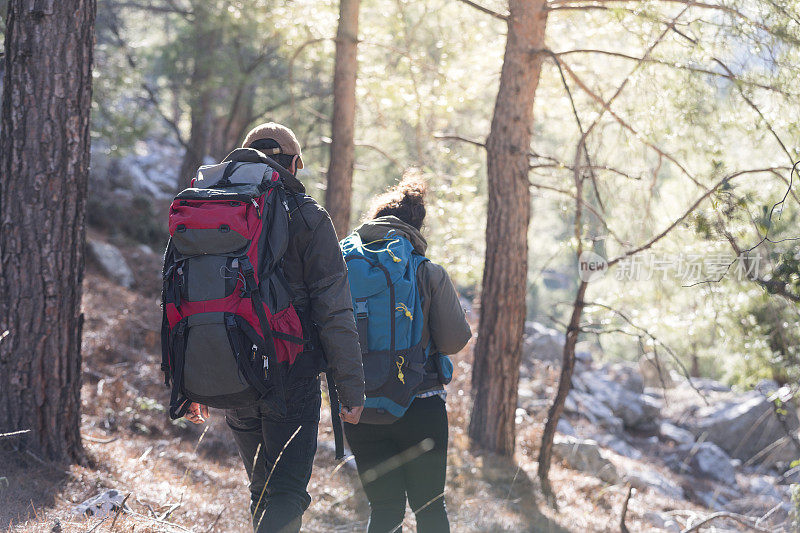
(160, 521)
(214, 523)
(98, 441)
(15, 433)
(97, 525)
(744, 520)
(119, 510)
(622, 525)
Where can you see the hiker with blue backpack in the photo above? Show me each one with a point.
(256, 304)
(409, 318)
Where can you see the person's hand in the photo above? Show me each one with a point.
(197, 414)
(351, 415)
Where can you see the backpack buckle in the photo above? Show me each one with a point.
(245, 265)
(361, 309)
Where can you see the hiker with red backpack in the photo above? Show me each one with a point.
(408, 317)
(256, 304)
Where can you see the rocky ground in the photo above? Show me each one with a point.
(689, 452)
(684, 439)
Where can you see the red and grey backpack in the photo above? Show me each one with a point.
(229, 329)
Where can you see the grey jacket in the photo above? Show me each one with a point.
(316, 272)
(445, 322)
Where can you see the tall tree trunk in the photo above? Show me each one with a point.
(564, 384)
(340, 170)
(200, 92)
(498, 351)
(44, 161)
(231, 127)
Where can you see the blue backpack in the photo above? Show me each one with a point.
(388, 311)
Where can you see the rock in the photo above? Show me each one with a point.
(542, 343)
(662, 521)
(746, 426)
(584, 455)
(779, 511)
(111, 262)
(578, 384)
(584, 358)
(705, 385)
(595, 411)
(584, 353)
(144, 249)
(637, 411)
(654, 372)
(565, 427)
(709, 460)
(765, 486)
(627, 376)
(618, 445)
(711, 499)
(669, 431)
(645, 478)
(767, 387)
(101, 505)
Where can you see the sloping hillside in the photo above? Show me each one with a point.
(180, 477)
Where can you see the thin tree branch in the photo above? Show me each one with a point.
(296, 53)
(475, 142)
(772, 286)
(673, 65)
(454, 137)
(486, 10)
(151, 95)
(744, 97)
(655, 340)
(688, 212)
(744, 520)
(628, 127)
(582, 142)
(653, 45)
(171, 8)
(565, 166)
(579, 4)
(381, 151)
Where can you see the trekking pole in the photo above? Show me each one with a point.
(338, 438)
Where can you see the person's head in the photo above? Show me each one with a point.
(406, 200)
(278, 142)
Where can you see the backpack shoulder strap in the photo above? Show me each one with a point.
(295, 201)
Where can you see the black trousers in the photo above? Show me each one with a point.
(278, 486)
(404, 460)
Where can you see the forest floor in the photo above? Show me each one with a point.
(182, 477)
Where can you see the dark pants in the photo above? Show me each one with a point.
(261, 436)
(407, 459)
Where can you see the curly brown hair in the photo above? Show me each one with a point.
(406, 200)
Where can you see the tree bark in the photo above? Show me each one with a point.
(340, 170)
(44, 165)
(498, 352)
(564, 385)
(200, 93)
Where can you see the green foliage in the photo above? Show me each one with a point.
(795, 514)
(143, 403)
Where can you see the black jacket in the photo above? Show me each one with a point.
(316, 272)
